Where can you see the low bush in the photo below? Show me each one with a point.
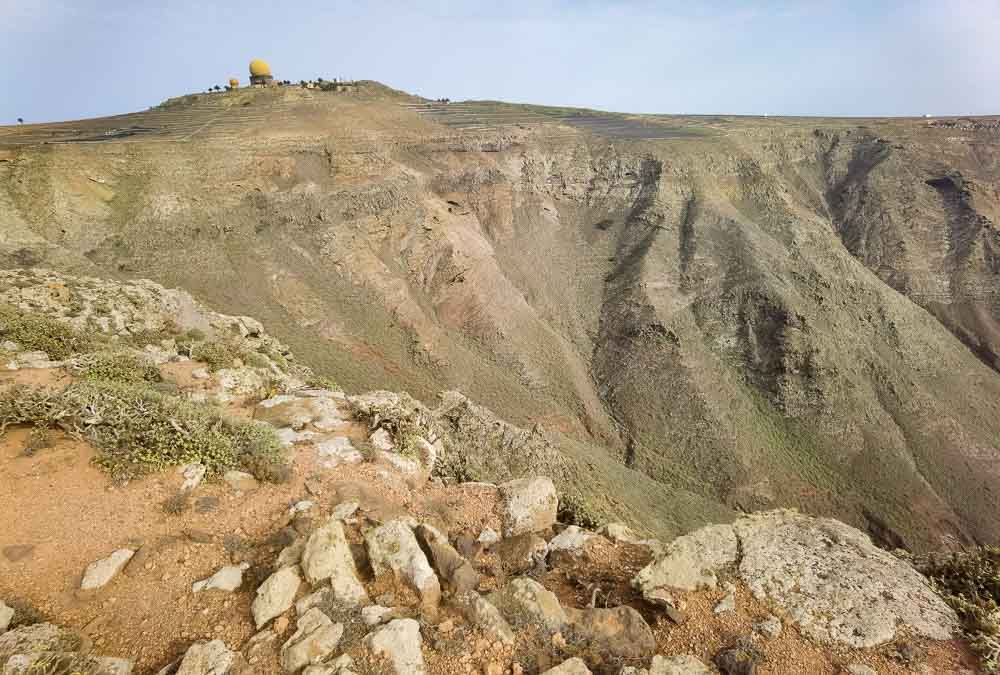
(40, 333)
(970, 582)
(137, 429)
(122, 367)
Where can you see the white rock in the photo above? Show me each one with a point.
(770, 627)
(574, 666)
(398, 641)
(375, 614)
(571, 539)
(99, 573)
(381, 440)
(336, 451)
(525, 601)
(200, 374)
(207, 658)
(193, 475)
(488, 536)
(301, 506)
(678, 665)
(400, 463)
(345, 510)
(394, 548)
(276, 595)
(327, 555)
(727, 604)
(481, 612)
(530, 505)
(690, 561)
(291, 554)
(6, 617)
(315, 638)
(227, 579)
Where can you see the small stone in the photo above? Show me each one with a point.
(684, 664)
(381, 440)
(301, 507)
(398, 641)
(574, 666)
(6, 617)
(227, 579)
(525, 601)
(99, 573)
(18, 552)
(770, 627)
(240, 481)
(727, 604)
(488, 537)
(316, 636)
(193, 475)
(276, 595)
(375, 614)
(207, 658)
(482, 613)
(737, 661)
(345, 510)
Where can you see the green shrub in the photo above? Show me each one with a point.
(970, 582)
(216, 354)
(137, 429)
(40, 333)
(322, 382)
(121, 367)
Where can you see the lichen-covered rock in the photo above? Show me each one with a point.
(399, 643)
(208, 658)
(39, 637)
(834, 583)
(276, 595)
(327, 555)
(690, 562)
(394, 548)
(101, 572)
(65, 662)
(315, 638)
(574, 666)
(524, 601)
(482, 613)
(616, 633)
(530, 505)
(684, 664)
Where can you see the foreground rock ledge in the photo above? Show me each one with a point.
(829, 577)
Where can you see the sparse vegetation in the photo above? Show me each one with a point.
(38, 439)
(137, 429)
(35, 332)
(121, 367)
(970, 582)
(177, 503)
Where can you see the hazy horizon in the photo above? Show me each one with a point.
(70, 60)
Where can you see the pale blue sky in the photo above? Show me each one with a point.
(68, 59)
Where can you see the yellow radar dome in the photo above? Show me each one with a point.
(260, 68)
(233, 82)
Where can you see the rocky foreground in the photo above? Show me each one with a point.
(375, 552)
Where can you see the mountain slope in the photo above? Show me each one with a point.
(753, 313)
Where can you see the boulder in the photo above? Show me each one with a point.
(482, 613)
(276, 595)
(315, 638)
(684, 664)
(529, 504)
(524, 601)
(835, 583)
(327, 555)
(616, 633)
(455, 570)
(376, 614)
(227, 579)
(65, 662)
(381, 439)
(399, 643)
(690, 562)
(6, 616)
(393, 548)
(571, 540)
(574, 666)
(208, 658)
(99, 573)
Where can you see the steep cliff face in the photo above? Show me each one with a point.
(754, 314)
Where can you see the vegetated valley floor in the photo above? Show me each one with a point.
(713, 314)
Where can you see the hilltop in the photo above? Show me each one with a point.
(699, 315)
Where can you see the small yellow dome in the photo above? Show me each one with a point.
(233, 82)
(260, 68)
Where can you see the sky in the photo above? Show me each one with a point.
(70, 59)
